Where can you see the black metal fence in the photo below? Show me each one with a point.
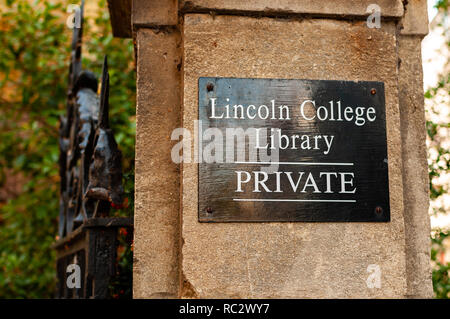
(91, 184)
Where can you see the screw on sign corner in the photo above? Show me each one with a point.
(209, 210)
(209, 87)
(373, 91)
(378, 210)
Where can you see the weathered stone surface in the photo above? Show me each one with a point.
(389, 8)
(415, 19)
(415, 173)
(154, 12)
(157, 177)
(291, 259)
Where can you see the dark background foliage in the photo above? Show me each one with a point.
(34, 59)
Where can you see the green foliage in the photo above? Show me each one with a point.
(442, 4)
(441, 163)
(438, 165)
(34, 59)
(121, 285)
(441, 280)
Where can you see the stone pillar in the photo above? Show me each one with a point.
(156, 267)
(179, 41)
(413, 27)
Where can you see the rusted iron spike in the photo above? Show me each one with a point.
(104, 97)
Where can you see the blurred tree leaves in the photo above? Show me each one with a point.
(441, 282)
(439, 164)
(34, 60)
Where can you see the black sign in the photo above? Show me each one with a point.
(292, 150)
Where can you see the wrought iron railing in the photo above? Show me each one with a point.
(91, 183)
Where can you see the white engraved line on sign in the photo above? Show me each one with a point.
(295, 163)
(294, 200)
